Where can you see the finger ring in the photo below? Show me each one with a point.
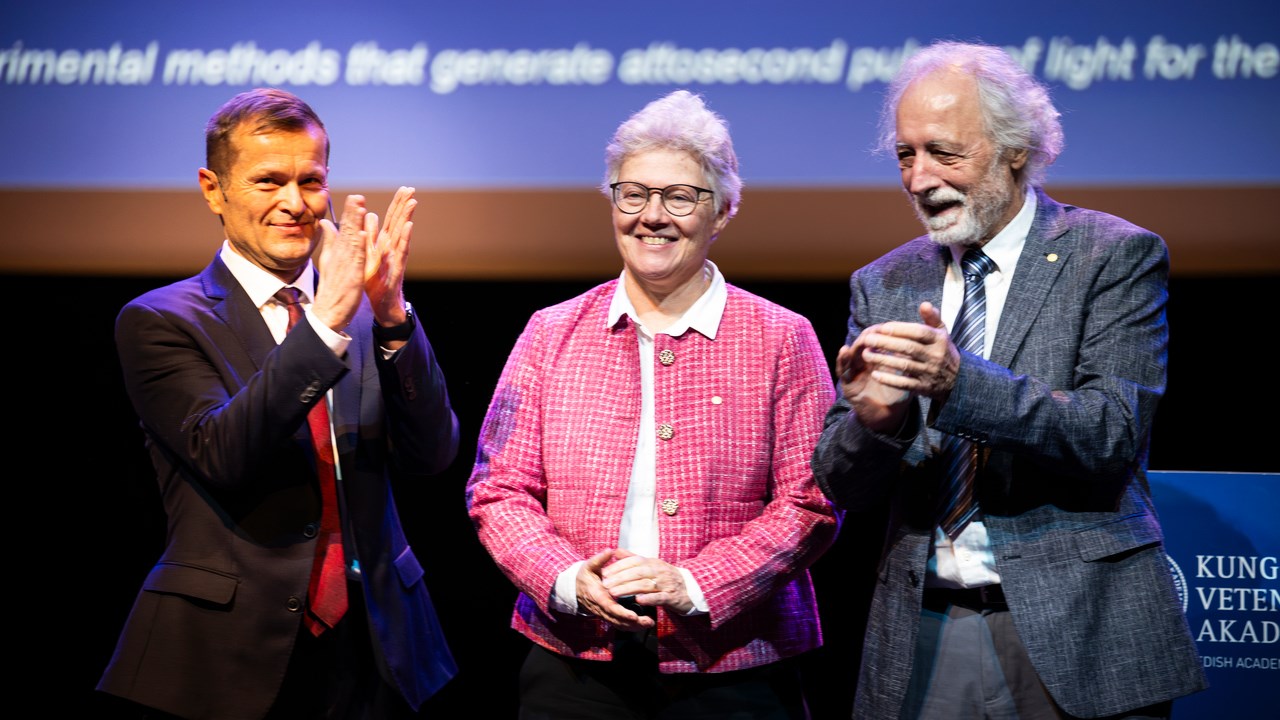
(654, 582)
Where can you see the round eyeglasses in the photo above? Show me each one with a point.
(679, 200)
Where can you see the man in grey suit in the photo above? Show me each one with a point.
(1034, 585)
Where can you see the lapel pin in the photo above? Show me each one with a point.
(1051, 257)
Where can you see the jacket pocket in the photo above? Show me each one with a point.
(1118, 537)
(194, 582)
(408, 567)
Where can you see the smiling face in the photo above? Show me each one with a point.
(664, 253)
(962, 188)
(272, 197)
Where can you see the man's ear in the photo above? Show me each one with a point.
(212, 190)
(1018, 159)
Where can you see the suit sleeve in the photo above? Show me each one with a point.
(220, 418)
(1096, 423)
(422, 427)
(857, 467)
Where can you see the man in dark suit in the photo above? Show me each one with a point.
(1023, 573)
(228, 381)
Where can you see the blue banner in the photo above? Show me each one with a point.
(1223, 543)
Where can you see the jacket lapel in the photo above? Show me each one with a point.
(1045, 253)
(231, 304)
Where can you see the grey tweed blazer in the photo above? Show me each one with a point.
(1062, 413)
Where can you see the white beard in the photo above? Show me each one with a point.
(980, 209)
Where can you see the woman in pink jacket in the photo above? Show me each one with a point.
(643, 470)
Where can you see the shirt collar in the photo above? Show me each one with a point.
(704, 315)
(1006, 246)
(260, 284)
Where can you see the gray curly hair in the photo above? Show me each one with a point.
(1016, 108)
(680, 121)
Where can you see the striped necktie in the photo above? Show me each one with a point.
(959, 455)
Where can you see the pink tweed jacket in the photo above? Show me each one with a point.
(740, 509)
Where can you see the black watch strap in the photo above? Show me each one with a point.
(396, 332)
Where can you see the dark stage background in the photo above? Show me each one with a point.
(1169, 109)
(92, 525)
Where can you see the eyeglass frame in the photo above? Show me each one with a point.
(662, 193)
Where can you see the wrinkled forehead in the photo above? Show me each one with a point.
(945, 99)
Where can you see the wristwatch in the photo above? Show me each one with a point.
(396, 332)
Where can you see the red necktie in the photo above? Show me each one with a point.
(327, 592)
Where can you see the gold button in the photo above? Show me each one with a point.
(666, 357)
(665, 431)
(1051, 257)
(670, 506)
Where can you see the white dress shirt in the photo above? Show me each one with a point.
(262, 287)
(968, 561)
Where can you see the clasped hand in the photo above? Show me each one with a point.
(890, 362)
(616, 573)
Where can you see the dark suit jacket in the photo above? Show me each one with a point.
(1062, 412)
(224, 410)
